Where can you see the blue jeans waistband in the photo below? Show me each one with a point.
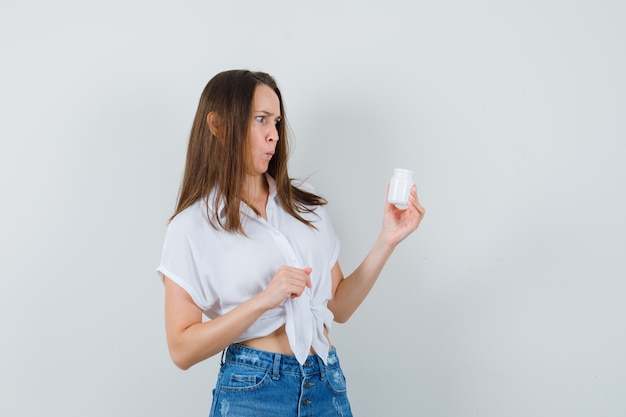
(277, 362)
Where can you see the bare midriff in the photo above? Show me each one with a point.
(276, 342)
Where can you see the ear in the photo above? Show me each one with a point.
(213, 120)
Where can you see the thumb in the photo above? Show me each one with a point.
(308, 278)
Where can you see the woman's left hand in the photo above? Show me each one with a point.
(399, 223)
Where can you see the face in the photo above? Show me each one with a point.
(263, 132)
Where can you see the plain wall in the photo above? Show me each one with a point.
(508, 301)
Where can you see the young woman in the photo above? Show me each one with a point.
(255, 252)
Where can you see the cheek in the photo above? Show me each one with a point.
(257, 144)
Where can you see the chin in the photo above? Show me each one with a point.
(262, 169)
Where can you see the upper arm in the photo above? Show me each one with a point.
(336, 276)
(180, 311)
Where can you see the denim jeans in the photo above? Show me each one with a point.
(255, 383)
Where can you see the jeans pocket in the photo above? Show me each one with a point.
(336, 380)
(243, 378)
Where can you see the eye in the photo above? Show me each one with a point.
(263, 119)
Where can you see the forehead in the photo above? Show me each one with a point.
(265, 99)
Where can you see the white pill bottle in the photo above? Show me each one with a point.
(400, 187)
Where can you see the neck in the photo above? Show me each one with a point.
(257, 192)
(256, 188)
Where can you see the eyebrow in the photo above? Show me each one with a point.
(267, 113)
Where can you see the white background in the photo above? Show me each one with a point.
(508, 301)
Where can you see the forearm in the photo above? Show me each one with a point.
(191, 340)
(352, 290)
(206, 339)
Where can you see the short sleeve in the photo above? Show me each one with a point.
(335, 243)
(182, 260)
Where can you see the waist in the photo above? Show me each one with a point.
(278, 362)
(277, 342)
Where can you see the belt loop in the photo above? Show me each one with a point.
(276, 369)
(322, 368)
(223, 355)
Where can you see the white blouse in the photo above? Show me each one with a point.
(221, 269)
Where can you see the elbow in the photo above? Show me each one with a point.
(341, 319)
(182, 361)
(340, 315)
(184, 357)
(183, 366)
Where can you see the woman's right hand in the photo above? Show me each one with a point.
(287, 282)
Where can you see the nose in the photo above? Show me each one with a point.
(272, 135)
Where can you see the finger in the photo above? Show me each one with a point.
(308, 277)
(298, 292)
(420, 209)
(296, 288)
(297, 281)
(413, 198)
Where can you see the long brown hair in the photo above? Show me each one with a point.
(218, 163)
